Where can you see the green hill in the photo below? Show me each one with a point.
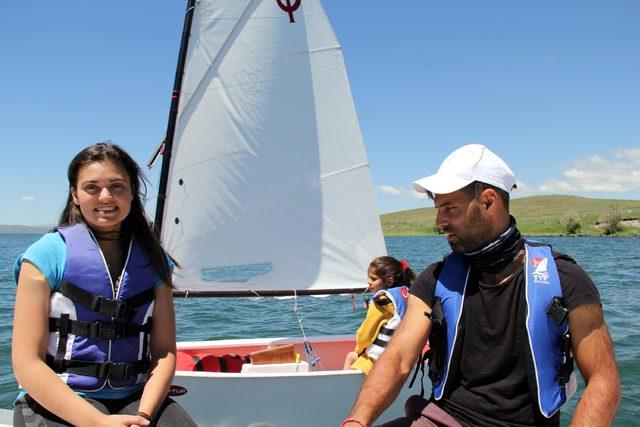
(540, 216)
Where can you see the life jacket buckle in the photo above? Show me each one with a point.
(564, 374)
(115, 371)
(557, 310)
(109, 331)
(96, 303)
(121, 310)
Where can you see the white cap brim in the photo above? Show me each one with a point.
(441, 184)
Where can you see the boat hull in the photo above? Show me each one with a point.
(315, 398)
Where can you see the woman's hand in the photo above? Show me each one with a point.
(122, 421)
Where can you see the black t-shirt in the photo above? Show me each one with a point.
(488, 384)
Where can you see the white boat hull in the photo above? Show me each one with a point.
(318, 398)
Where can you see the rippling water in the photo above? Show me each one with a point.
(613, 263)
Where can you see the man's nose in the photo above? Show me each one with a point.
(441, 221)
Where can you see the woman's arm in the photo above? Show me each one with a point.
(28, 352)
(163, 352)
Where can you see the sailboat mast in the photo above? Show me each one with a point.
(173, 115)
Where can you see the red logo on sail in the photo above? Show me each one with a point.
(536, 261)
(289, 8)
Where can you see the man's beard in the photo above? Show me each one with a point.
(475, 232)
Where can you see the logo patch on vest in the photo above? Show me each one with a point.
(540, 274)
(405, 293)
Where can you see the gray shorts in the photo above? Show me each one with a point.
(29, 413)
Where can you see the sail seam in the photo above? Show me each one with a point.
(224, 47)
(271, 18)
(248, 82)
(219, 156)
(352, 168)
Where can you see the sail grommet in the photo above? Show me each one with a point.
(180, 181)
(177, 220)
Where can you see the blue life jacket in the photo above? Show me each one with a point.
(551, 365)
(98, 337)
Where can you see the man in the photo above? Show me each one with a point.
(500, 349)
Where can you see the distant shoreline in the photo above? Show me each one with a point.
(554, 215)
(23, 229)
(549, 216)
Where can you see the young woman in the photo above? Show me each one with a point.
(94, 329)
(389, 279)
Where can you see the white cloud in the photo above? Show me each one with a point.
(389, 190)
(401, 192)
(28, 198)
(523, 190)
(598, 174)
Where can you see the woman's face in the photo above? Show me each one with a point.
(103, 193)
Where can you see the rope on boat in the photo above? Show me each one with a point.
(312, 358)
(186, 294)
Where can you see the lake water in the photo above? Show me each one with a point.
(613, 263)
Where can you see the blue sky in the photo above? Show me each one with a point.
(552, 87)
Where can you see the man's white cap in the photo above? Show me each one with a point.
(470, 163)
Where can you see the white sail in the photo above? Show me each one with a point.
(269, 184)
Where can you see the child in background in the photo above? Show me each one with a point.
(389, 280)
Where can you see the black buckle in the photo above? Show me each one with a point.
(437, 313)
(115, 371)
(557, 311)
(106, 331)
(120, 310)
(94, 330)
(96, 303)
(109, 331)
(564, 374)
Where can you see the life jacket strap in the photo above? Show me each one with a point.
(437, 341)
(107, 306)
(109, 331)
(566, 369)
(381, 300)
(117, 371)
(380, 343)
(57, 362)
(386, 331)
(420, 367)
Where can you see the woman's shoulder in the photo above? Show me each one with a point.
(49, 255)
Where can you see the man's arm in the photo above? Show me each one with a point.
(390, 372)
(594, 355)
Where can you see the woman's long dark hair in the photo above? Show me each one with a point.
(392, 270)
(136, 222)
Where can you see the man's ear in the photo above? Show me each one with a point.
(489, 198)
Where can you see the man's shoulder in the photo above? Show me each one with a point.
(432, 271)
(562, 257)
(577, 286)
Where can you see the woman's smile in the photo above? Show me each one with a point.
(104, 195)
